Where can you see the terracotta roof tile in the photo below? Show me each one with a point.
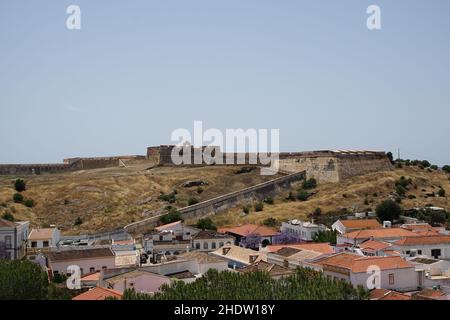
(7, 224)
(419, 240)
(380, 233)
(318, 247)
(62, 255)
(98, 293)
(361, 224)
(41, 234)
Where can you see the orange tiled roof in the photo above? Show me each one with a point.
(358, 264)
(392, 295)
(374, 245)
(249, 229)
(98, 293)
(433, 239)
(324, 248)
(380, 233)
(94, 276)
(361, 224)
(431, 293)
(6, 223)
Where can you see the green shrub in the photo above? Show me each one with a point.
(388, 210)
(400, 190)
(270, 222)
(78, 221)
(290, 196)
(20, 185)
(269, 200)
(200, 190)
(441, 192)
(172, 216)
(18, 198)
(302, 195)
(309, 184)
(258, 206)
(29, 203)
(246, 209)
(206, 224)
(192, 201)
(446, 168)
(8, 216)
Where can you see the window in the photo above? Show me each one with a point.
(419, 251)
(91, 269)
(104, 267)
(33, 244)
(220, 244)
(436, 253)
(391, 278)
(205, 245)
(213, 245)
(8, 242)
(197, 245)
(45, 244)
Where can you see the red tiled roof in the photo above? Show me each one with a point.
(98, 293)
(409, 241)
(324, 248)
(6, 224)
(164, 226)
(93, 276)
(380, 233)
(395, 296)
(247, 229)
(361, 224)
(41, 234)
(358, 264)
(373, 245)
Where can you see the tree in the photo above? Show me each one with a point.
(441, 192)
(8, 216)
(390, 157)
(206, 224)
(20, 185)
(22, 280)
(286, 238)
(270, 222)
(17, 198)
(446, 168)
(388, 210)
(268, 200)
(172, 216)
(304, 284)
(251, 241)
(326, 236)
(437, 217)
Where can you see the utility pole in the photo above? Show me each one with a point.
(398, 153)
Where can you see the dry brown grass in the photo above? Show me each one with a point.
(106, 199)
(349, 194)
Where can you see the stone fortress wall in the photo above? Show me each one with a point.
(324, 166)
(68, 165)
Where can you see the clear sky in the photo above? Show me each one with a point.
(137, 70)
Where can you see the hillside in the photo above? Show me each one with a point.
(349, 195)
(107, 199)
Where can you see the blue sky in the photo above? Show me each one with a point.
(137, 70)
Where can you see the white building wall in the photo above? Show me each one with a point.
(405, 279)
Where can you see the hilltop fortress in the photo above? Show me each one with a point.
(325, 166)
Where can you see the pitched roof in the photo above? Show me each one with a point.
(392, 295)
(361, 224)
(287, 251)
(201, 257)
(93, 276)
(380, 233)
(130, 274)
(358, 264)
(323, 247)
(79, 254)
(372, 245)
(431, 293)
(165, 226)
(247, 229)
(41, 234)
(239, 254)
(7, 224)
(208, 234)
(271, 268)
(420, 240)
(98, 293)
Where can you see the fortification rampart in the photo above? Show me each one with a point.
(68, 165)
(323, 165)
(222, 203)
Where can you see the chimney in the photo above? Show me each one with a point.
(225, 250)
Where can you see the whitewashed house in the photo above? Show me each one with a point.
(13, 239)
(44, 238)
(302, 230)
